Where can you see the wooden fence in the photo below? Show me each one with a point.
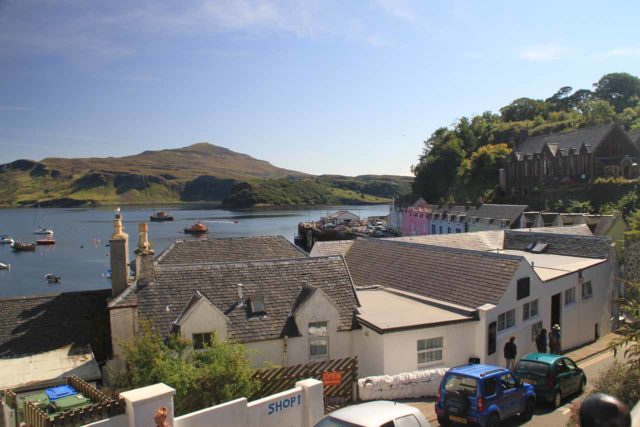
(102, 407)
(339, 376)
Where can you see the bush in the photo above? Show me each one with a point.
(620, 380)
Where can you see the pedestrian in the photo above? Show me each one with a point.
(554, 339)
(541, 341)
(510, 353)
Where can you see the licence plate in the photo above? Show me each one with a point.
(458, 419)
(528, 380)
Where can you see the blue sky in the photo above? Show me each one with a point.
(321, 86)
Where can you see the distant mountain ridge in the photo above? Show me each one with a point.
(199, 172)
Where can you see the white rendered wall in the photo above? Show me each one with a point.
(369, 348)
(204, 318)
(124, 324)
(262, 352)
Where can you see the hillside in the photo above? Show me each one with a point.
(200, 172)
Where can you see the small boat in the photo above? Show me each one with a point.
(6, 240)
(160, 216)
(23, 247)
(52, 278)
(43, 231)
(46, 241)
(197, 228)
(4, 266)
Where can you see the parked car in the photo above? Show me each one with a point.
(379, 413)
(554, 377)
(483, 395)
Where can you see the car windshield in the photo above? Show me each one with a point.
(461, 383)
(529, 367)
(332, 422)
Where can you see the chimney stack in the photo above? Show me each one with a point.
(144, 255)
(119, 256)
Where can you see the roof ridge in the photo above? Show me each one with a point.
(450, 249)
(169, 267)
(577, 236)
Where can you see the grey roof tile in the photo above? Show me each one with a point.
(508, 212)
(565, 141)
(230, 249)
(36, 324)
(560, 244)
(278, 282)
(464, 277)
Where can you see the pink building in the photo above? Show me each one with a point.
(415, 220)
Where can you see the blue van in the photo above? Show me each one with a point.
(483, 395)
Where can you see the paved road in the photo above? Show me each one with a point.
(546, 416)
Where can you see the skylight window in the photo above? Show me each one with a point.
(257, 306)
(540, 248)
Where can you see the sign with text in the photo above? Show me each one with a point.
(331, 378)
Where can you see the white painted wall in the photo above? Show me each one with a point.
(317, 308)
(269, 352)
(369, 348)
(203, 317)
(407, 385)
(401, 348)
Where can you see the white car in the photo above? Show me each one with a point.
(379, 413)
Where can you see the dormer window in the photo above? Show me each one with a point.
(202, 340)
(256, 304)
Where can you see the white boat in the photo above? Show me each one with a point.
(6, 240)
(43, 231)
(52, 278)
(4, 266)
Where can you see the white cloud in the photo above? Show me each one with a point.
(542, 53)
(623, 52)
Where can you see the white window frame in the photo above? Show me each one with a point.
(528, 311)
(570, 296)
(503, 318)
(584, 286)
(314, 339)
(433, 348)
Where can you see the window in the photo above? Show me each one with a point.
(201, 340)
(535, 330)
(491, 336)
(318, 339)
(430, 350)
(530, 310)
(448, 230)
(433, 229)
(257, 306)
(440, 228)
(569, 296)
(506, 319)
(490, 386)
(524, 286)
(507, 381)
(587, 290)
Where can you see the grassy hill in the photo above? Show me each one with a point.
(200, 172)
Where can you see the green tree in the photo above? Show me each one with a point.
(437, 168)
(523, 109)
(483, 165)
(560, 100)
(618, 89)
(202, 378)
(628, 335)
(597, 112)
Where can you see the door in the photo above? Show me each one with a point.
(567, 376)
(573, 373)
(556, 301)
(510, 399)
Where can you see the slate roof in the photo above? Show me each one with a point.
(230, 249)
(634, 134)
(489, 240)
(278, 282)
(456, 276)
(564, 141)
(579, 230)
(560, 244)
(36, 324)
(508, 212)
(334, 247)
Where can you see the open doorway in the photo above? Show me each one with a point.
(556, 302)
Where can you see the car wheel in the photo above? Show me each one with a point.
(583, 384)
(444, 421)
(494, 421)
(529, 409)
(557, 399)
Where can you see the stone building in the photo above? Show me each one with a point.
(578, 156)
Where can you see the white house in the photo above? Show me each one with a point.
(342, 218)
(286, 308)
(426, 302)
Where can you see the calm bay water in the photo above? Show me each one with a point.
(80, 255)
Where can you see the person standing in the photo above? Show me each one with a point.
(510, 353)
(554, 339)
(541, 341)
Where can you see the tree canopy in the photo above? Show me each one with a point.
(462, 161)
